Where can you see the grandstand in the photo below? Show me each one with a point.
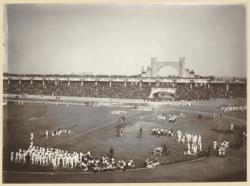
(137, 88)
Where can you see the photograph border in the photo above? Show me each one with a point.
(178, 2)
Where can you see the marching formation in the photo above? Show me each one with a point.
(57, 132)
(162, 132)
(172, 119)
(230, 108)
(193, 141)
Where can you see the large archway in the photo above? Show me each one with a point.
(156, 66)
(167, 71)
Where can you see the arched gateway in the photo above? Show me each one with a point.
(156, 66)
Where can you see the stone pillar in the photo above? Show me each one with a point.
(43, 82)
(95, 83)
(182, 66)
(208, 85)
(8, 81)
(31, 81)
(140, 84)
(125, 83)
(191, 86)
(153, 67)
(110, 83)
(55, 82)
(20, 82)
(227, 87)
(81, 83)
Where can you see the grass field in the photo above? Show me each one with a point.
(94, 129)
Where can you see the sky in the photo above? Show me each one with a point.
(121, 38)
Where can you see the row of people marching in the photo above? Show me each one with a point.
(52, 133)
(230, 108)
(162, 132)
(161, 117)
(57, 132)
(172, 118)
(57, 158)
(221, 148)
(151, 164)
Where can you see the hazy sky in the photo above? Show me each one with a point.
(121, 38)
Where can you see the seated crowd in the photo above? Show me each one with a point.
(151, 163)
(119, 90)
(185, 92)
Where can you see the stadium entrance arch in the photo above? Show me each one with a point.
(156, 66)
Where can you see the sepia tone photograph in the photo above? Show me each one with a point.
(124, 93)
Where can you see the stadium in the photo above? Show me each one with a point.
(92, 107)
(78, 109)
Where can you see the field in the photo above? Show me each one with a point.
(94, 129)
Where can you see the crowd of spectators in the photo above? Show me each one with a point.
(121, 90)
(205, 92)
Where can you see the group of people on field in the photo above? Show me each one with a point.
(57, 132)
(220, 148)
(151, 163)
(231, 108)
(52, 133)
(192, 140)
(162, 132)
(58, 158)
